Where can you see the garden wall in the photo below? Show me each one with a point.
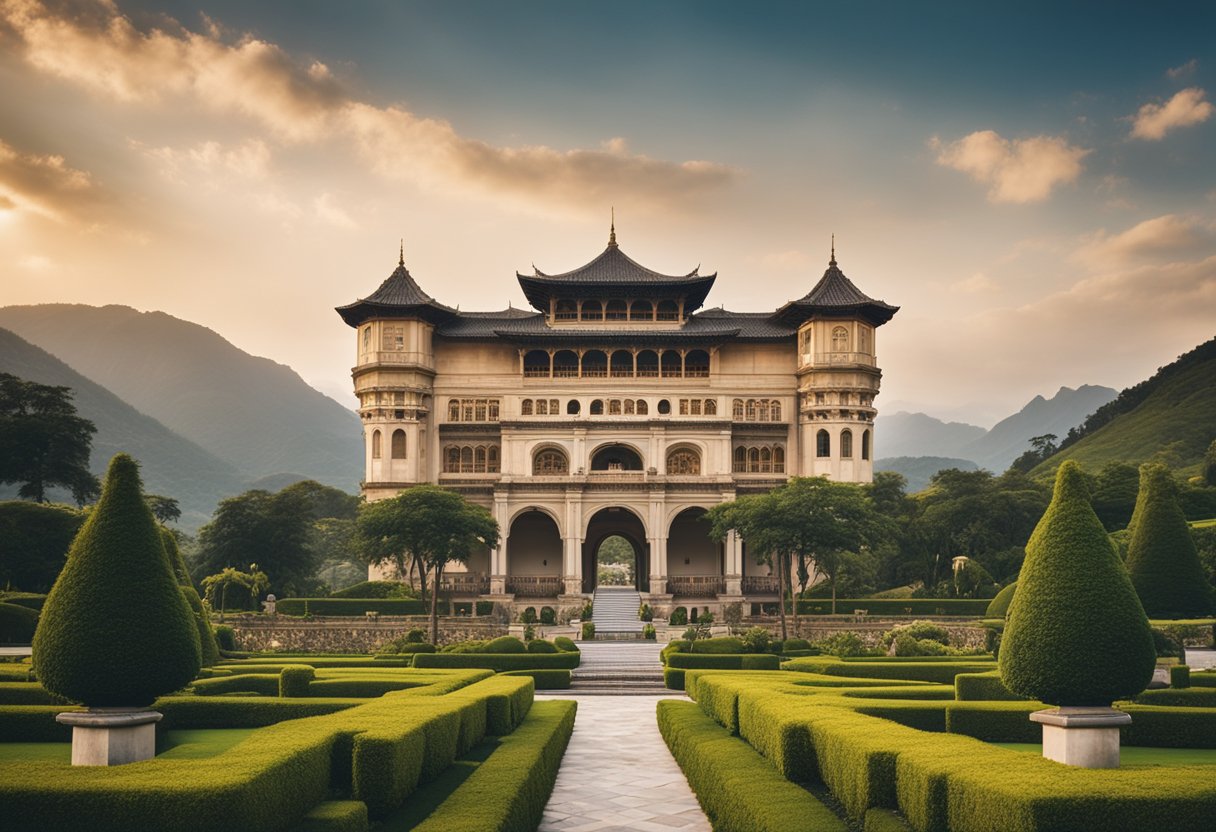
(347, 635)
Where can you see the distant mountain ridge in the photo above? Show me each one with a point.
(906, 435)
(169, 464)
(258, 416)
(918, 470)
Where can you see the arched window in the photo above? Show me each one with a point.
(622, 364)
(774, 411)
(593, 310)
(672, 364)
(451, 460)
(479, 458)
(823, 444)
(453, 410)
(595, 364)
(846, 444)
(863, 339)
(664, 407)
(566, 310)
(683, 461)
(555, 407)
(667, 310)
(766, 460)
(616, 311)
(398, 450)
(762, 410)
(778, 460)
(737, 409)
(641, 310)
(751, 410)
(525, 407)
(492, 461)
(565, 364)
(840, 339)
(629, 407)
(643, 408)
(466, 460)
(536, 364)
(597, 408)
(616, 458)
(493, 410)
(550, 462)
(865, 444)
(696, 364)
(740, 460)
(711, 407)
(753, 460)
(572, 407)
(376, 444)
(648, 364)
(542, 407)
(614, 407)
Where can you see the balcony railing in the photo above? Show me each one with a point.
(466, 584)
(760, 585)
(534, 586)
(696, 586)
(844, 358)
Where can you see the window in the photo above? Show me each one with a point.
(542, 407)
(629, 407)
(536, 364)
(840, 339)
(376, 444)
(572, 407)
(823, 444)
(740, 460)
(671, 364)
(492, 461)
(696, 364)
(766, 460)
(664, 407)
(593, 310)
(479, 410)
(753, 460)
(641, 310)
(622, 364)
(614, 407)
(525, 407)
(453, 410)
(711, 407)
(667, 310)
(398, 449)
(451, 460)
(759, 460)
(615, 458)
(694, 407)
(762, 410)
(804, 341)
(846, 444)
(566, 310)
(737, 409)
(616, 311)
(597, 408)
(550, 462)
(819, 398)
(683, 461)
(565, 364)
(394, 337)
(467, 459)
(554, 407)
(643, 408)
(367, 338)
(775, 411)
(648, 364)
(479, 458)
(683, 407)
(595, 364)
(863, 339)
(751, 410)
(493, 410)
(865, 444)
(778, 460)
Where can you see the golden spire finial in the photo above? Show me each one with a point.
(832, 262)
(612, 228)
(401, 255)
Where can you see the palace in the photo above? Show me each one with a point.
(620, 406)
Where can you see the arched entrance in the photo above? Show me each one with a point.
(620, 523)
(534, 556)
(615, 562)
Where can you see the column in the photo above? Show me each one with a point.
(498, 555)
(572, 548)
(734, 564)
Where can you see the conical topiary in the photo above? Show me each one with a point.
(209, 650)
(1161, 555)
(115, 630)
(1076, 633)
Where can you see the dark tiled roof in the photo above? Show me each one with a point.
(614, 266)
(400, 295)
(400, 290)
(710, 325)
(836, 294)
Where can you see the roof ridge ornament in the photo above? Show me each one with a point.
(401, 254)
(612, 229)
(832, 262)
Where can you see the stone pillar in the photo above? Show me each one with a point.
(1082, 737)
(111, 736)
(734, 565)
(658, 565)
(572, 569)
(498, 554)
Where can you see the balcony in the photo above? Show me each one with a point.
(760, 585)
(696, 586)
(831, 358)
(466, 584)
(534, 586)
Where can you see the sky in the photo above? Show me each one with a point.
(1033, 183)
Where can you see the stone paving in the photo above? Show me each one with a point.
(618, 774)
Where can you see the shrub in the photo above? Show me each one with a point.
(34, 539)
(999, 607)
(842, 644)
(528, 616)
(918, 631)
(586, 611)
(757, 640)
(1180, 676)
(483, 607)
(982, 686)
(1184, 697)
(565, 644)
(645, 613)
(906, 645)
(793, 644)
(294, 679)
(416, 635)
(261, 684)
(1164, 645)
(225, 637)
(898, 606)
(1161, 555)
(539, 645)
(471, 646)
(499, 661)
(335, 816)
(505, 644)
(648, 632)
(117, 579)
(679, 617)
(1072, 585)
(351, 607)
(209, 650)
(548, 615)
(17, 624)
(588, 633)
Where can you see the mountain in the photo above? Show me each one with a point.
(258, 416)
(1171, 416)
(916, 434)
(1010, 437)
(918, 470)
(170, 464)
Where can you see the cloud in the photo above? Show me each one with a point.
(249, 160)
(102, 50)
(36, 263)
(792, 260)
(1168, 237)
(1016, 170)
(1187, 107)
(1185, 71)
(43, 184)
(328, 212)
(978, 283)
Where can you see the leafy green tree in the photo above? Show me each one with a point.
(164, 509)
(254, 582)
(1041, 447)
(324, 501)
(427, 523)
(115, 629)
(272, 529)
(34, 541)
(1115, 488)
(1076, 633)
(1161, 555)
(43, 442)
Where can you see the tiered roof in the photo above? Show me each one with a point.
(835, 296)
(398, 296)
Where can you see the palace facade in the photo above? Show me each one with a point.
(618, 405)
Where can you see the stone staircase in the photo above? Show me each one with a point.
(619, 668)
(614, 611)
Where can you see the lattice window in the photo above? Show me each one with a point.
(740, 460)
(629, 409)
(394, 338)
(376, 444)
(846, 444)
(451, 460)
(643, 408)
(736, 409)
(778, 460)
(823, 444)
(525, 407)
(840, 339)
(711, 407)
(614, 407)
(683, 461)
(550, 463)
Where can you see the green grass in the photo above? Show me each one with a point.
(430, 796)
(1130, 755)
(186, 744)
(1203, 524)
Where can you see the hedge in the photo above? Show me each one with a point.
(1202, 679)
(986, 687)
(974, 607)
(351, 607)
(941, 672)
(546, 679)
(509, 790)
(31, 600)
(738, 790)
(17, 623)
(362, 687)
(335, 816)
(673, 673)
(1180, 676)
(882, 820)
(295, 679)
(565, 644)
(1184, 697)
(28, 693)
(33, 723)
(16, 672)
(371, 589)
(263, 684)
(499, 661)
(999, 606)
(243, 711)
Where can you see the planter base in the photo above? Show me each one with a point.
(1082, 737)
(111, 736)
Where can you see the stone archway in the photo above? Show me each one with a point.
(616, 522)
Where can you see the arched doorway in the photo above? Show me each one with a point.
(615, 562)
(534, 556)
(622, 524)
(695, 561)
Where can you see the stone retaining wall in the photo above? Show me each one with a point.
(348, 635)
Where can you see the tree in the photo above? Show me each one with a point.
(1209, 464)
(1161, 555)
(34, 541)
(43, 442)
(115, 629)
(254, 582)
(323, 500)
(272, 529)
(1041, 447)
(164, 509)
(1076, 633)
(427, 523)
(1115, 489)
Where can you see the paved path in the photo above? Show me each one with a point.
(618, 774)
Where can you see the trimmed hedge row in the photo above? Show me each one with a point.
(897, 606)
(1195, 697)
(335, 816)
(351, 607)
(28, 693)
(508, 791)
(882, 820)
(673, 673)
(941, 672)
(545, 679)
(294, 680)
(738, 790)
(17, 623)
(263, 684)
(986, 687)
(499, 661)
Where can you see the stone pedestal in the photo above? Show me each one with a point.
(1083, 737)
(111, 736)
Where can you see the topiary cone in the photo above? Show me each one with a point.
(209, 649)
(1161, 555)
(115, 630)
(1076, 633)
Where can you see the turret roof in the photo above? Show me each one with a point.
(835, 295)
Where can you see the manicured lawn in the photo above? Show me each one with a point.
(193, 744)
(1130, 755)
